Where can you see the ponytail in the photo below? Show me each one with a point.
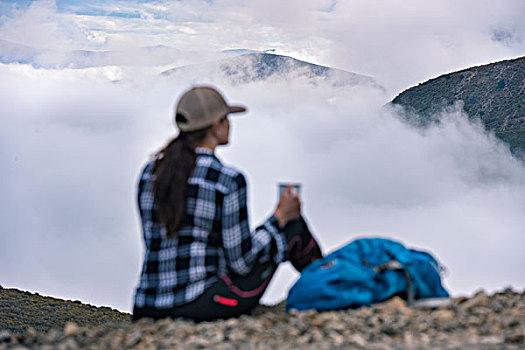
(173, 167)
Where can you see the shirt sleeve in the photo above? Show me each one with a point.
(242, 247)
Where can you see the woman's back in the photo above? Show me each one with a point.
(178, 269)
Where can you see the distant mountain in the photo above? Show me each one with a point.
(143, 56)
(234, 52)
(46, 58)
(252, 67)
(237, 66)
(493, 93)
(16, 53)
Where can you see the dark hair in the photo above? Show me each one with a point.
(173, 166)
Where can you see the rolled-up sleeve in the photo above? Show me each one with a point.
(241, 246)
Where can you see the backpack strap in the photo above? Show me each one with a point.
(396, 265)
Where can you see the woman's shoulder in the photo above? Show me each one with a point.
(237, 178)
(147, 170)
(232, 172)
(213, 170)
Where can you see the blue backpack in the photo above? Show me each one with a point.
(366, 271)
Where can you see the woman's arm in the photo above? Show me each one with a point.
(242, 247)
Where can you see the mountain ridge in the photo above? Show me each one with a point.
(493, 93)
(234, 66)
(253, 67)
(11, 52)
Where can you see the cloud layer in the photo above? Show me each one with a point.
(72, 141)
(400, 43)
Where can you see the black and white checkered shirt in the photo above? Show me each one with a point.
(214, 238)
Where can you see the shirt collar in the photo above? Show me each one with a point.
(201, 150)
(206, 152)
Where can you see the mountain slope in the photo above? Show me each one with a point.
(238, 66)
(20, 310)
(252, 67)
(494, 93)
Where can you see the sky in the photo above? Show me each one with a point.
(76, 132)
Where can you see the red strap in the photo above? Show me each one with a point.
(242, 293)
(225, 301)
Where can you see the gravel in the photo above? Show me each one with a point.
(483, 321)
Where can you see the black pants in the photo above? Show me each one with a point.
(234, 295)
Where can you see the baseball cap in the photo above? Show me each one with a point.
(200, 106)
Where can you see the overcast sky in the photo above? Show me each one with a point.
(72, 141)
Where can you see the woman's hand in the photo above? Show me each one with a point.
(289, 207)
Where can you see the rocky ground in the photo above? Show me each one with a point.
(484, 321)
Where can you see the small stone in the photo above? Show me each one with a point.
(71, 329)
(389, 329)
(479, 299)
(296, 331)
(52, 336)
(497, 307)
(294, 312)
(357, 339)
(443, 315)
(336, 324)
(425, 338)
(303, 339)
(392, 305)
(68, 344)
(133, 340)
(322, 318)
(516, 337)
(336, 338)
(409, 339)
(493, 340)
(267, 323)
(165, 322)
(316, 335)
(31, 332)
(237, 335)
(5, 336)
(232, 322)
(171, 330)
(305, 314)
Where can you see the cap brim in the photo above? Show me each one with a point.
(236, 109)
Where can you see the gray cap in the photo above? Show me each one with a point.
(200, 107)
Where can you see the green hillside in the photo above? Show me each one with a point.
(21, 310)
(494, 93)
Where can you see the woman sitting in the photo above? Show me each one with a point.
(201, 260)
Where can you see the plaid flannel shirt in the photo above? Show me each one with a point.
(214, 238)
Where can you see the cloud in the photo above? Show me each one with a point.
(407, 42)
(505, 36)
(452, 189)
(74, 142)
(41, 26)
(400, 43)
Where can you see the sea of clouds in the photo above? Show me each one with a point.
(77, 129)
(73, 141)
